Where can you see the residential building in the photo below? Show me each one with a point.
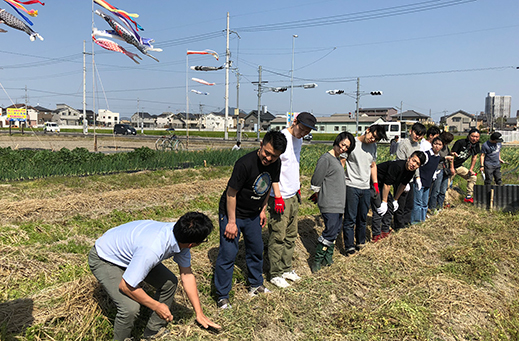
(164, 120)
(251, 120)
(498, 106)
(411, 115)
(107, 118)
(384, 113)
(66, 115)
(143, 119)
(333, 124)
(459, 121)
(44, 115)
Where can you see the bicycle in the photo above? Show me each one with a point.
(171, 142)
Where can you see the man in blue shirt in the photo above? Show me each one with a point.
(132, 253)
(491, 159)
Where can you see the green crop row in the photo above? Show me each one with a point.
(32, 164)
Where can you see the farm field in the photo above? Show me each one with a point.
(453, 277)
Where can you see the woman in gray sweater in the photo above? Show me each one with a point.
(329, 186)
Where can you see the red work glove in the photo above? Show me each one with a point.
(314, 197)
(279, 206)
(376, 187)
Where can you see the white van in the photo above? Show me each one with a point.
(392, 129)
(51, 127)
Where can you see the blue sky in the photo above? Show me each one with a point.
(431, 60)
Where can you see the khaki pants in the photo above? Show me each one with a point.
(283, 235)
(471, 179)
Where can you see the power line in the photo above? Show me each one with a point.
(357, 16)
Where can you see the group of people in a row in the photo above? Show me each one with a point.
(347, 181)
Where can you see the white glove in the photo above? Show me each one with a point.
(395, 205)
(418, 183)
(407, 188)
(435, 175)
(382, 209)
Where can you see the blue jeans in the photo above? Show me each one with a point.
(332, 224)
(421, 200)
(438, 190)
(355, 213)
(224, 268)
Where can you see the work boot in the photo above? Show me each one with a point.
(320, 251)
(328, 256)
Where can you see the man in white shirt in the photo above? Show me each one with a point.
(284, 203)
(132, 253)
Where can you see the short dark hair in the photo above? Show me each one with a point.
(276, 139)
(446, 137)
(473, 130)
(345, 136)
(238, 143)
(437, 138)
(379, 130)
(433, 130)
(421, 156)
(419, 129)
(192, 227)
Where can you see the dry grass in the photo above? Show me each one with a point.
(402, 288)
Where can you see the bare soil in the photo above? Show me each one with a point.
(103, 143)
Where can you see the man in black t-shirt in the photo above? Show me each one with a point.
(396, 173)
(462, 150)
(242, 209)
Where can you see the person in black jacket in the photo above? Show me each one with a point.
(396, 174)
(463, 150)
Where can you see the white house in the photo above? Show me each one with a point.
(215, 121)
(107, 118)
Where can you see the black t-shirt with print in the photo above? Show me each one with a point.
(464, 149)
(253, 181)
(393, 173)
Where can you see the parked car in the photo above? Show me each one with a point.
(308, 137)
(124, 129)
(51, 127)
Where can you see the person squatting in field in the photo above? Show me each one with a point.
(396, 174)
(132, 253)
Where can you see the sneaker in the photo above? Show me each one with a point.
(350, 251)
(291, 276)
(280, 282)
(224, 303)
(375, 239)
(259, 290)
(155, 335)
(384, 234)
(359, 247)
(469, 199)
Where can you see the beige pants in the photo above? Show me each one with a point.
(471, 179)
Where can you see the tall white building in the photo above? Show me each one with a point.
(498, 106)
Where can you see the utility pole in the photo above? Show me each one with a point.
(227, 55)
(26, 112)
(357, 106)
(259, 101)
(85, 120)
(201, 106)
(238, 124)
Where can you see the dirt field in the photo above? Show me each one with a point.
(105, 143)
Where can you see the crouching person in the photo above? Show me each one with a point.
(330, 195)
(132, 253)
(396, 174)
